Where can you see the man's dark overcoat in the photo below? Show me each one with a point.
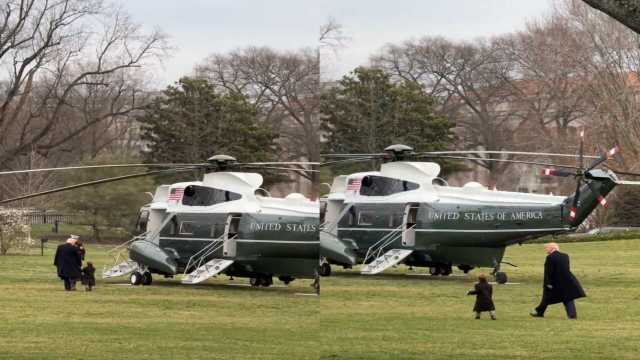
(557, 273)
(68, 262)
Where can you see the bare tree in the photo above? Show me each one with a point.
(59, 57)
(284, 87)
(469, 81)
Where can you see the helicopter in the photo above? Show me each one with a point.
(223, 224)
(405, 213)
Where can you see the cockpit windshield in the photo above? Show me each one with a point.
(196, 195)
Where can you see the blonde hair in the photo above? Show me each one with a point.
(551, 246)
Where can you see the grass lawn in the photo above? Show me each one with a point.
(400, 316)
(38, 320)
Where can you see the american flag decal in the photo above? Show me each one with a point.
(175, 195)
(354, 185)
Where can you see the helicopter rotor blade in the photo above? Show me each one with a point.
(500, 160)
(526, 153)
(358, 159)
(601, 200)
(95, 182)
(278, 168)
(353, 155)
(13, 172)
(604, 157)
(280, 163)
(574, 206)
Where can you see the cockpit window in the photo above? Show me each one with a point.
(382, 186)
(170, 228)
(195, 195)
(187, 227)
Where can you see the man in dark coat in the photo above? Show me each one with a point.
(67, 261)
(560, 286)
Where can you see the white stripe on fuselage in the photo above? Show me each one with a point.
(458, 230)
(242, 240)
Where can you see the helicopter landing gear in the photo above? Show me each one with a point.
(465, 268)
(261, 280)
(501, 278)
(135, 278)
(147, 279)
(445, 270)
(434, 270)
(286, 279)
(325, 269)
(440, 269)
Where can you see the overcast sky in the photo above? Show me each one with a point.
(198, 28)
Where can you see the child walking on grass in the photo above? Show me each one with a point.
(88, 276)
(484, 302)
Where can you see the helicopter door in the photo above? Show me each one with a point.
(409, 220)
(231, 228)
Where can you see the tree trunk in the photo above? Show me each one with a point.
(625, 11)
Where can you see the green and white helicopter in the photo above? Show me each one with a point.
(404, 213)
(225, 223)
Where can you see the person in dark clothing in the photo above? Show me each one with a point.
(560, 286)
(81, 249)
(88, 276)
(484, 302)
(68, 263)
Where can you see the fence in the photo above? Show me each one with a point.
(37, 216)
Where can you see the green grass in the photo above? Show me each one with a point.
(391, 316)
(398, 316)
(38, 320)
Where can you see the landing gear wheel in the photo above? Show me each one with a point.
(434, 270)
(266, 281)
(445, 270)
(286, 279)
(325, 269)
(147, 279)
(135, 278)
(255, 281)
(501, 278)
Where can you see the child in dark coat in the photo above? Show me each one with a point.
(88, 276)
(483, 292)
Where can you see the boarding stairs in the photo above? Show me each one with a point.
(204, 267)
(378, 258)
(122, 264)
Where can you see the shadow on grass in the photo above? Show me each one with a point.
(230, 287)
(402, 276)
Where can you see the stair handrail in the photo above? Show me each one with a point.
(375, 250)
(381, 242)
(198, 258)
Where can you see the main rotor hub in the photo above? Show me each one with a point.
(221, 162)
(398, 152)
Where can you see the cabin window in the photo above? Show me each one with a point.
(196, 195)
(217, 230)
(366, 218)
(395, 220)
(382, 186)
(352, 216)
(170, 228)
(187, 228)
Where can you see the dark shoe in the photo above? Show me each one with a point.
(534, 313)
